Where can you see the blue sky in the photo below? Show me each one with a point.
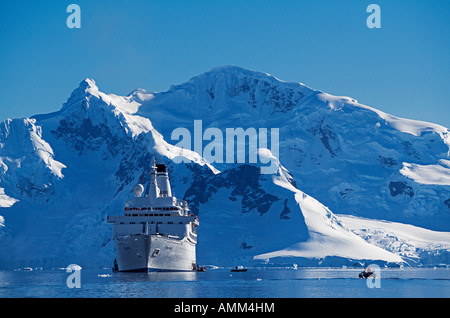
(402, 68)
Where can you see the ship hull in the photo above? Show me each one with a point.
(151, 252)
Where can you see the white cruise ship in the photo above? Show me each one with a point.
(157, 231)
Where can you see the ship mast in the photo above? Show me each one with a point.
(154, 189)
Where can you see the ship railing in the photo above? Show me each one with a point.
(156, 208)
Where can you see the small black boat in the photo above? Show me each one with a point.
(239, 269)
(367, 274)
(200, 269)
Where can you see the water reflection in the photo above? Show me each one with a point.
(154, 276)
(221, 283)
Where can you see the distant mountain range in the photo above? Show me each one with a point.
(352, 185)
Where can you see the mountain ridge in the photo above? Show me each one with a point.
(318, 133)
(81, 162)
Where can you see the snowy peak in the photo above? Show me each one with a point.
(85, 88)
(232, 73)
(140, 95)
(88, 95)
(227, 75)
(99, 116)
(88, 83)
(230, 90)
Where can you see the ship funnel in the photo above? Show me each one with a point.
(163, 180)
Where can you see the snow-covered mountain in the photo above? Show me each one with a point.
(62, 173)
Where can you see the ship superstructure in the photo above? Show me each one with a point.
(157, 231)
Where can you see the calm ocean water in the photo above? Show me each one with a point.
(221, 283)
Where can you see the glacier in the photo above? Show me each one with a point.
(353, 185)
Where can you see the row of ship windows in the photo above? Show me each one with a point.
(172, 208)
(150, 223)
(149, 214)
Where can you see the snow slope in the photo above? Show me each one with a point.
(62, 173)
(328, 238)
(438, 174)
(414, 244)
